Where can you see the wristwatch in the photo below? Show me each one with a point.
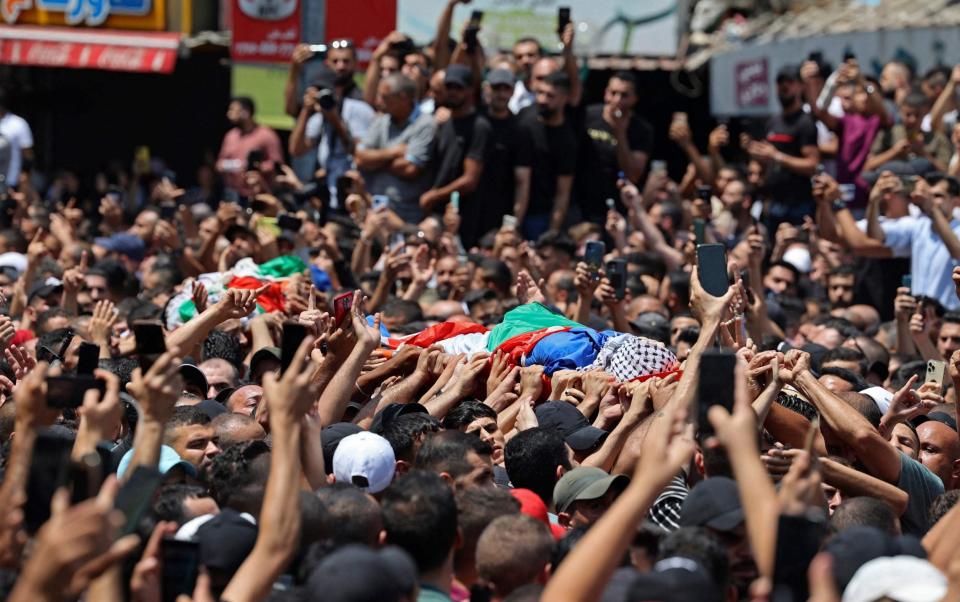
(870, 89)
(838, 204)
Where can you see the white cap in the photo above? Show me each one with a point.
(880, 396)
(902, 578)
(365, 460)
(17, 261)
(798, 257)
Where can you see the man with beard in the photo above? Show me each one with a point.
(526, 52)
(618, 142)
(244, 137)
(341, 58)
(459, 151)
(789, 153)
(332, 131)
(553, 159)
(505, 185)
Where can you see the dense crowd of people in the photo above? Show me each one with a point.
(480, 353)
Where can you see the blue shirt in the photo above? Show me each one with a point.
(930, 260)
(331, 153)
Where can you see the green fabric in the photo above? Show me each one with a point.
(523, 319)
(282, 267)
(187, 310)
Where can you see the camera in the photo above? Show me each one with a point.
(326, 99)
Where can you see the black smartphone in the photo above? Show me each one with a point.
(699, 228)
(65, 392)
(180, 561)
(277, 168)
(716, 386)
(290, 222)
(150, 342)
(563, 19)
(849, 55)
(593, 254)
(470, 38)
(617, 274)
(907, 281)
(254, 159)
(259, 206)
(51, 453)
(293, 335)
(712, 269)
(84, 477)
(476, 17)
(344, 188)
(704, 193)
(135, 496)
(89, 358)
(816, 57)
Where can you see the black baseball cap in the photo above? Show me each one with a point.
(392, 412)
(713, 503)
(855, 546)
(458, 75)
(676, 579)
(225, 541)
(193, 377)
(569, 423)
(943, 417)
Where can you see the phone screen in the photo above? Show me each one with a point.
(341, 306)
(150, 342)
(716, 386)
(180, 561)
(593, 254)
(51, 453)
(293, 335)
(617, 274)
(89, 358)
(68, 391)
(712, 269)
(699, 226)
(289, 222)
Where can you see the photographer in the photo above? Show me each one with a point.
(330, 125)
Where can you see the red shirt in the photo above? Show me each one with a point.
(232, 161)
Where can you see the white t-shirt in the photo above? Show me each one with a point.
(17, 131)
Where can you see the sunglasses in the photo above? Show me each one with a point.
(341, 44)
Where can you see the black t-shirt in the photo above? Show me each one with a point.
(508, 148)
(456, 140)
(789, 134)
(598, 166)
(554, 151)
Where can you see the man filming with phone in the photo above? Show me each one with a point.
(331, 124)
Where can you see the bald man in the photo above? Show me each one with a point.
(245, 399)
(231, 429)
(940, 452)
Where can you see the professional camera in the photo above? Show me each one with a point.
(326, 99)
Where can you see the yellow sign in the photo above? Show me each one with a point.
(115, 14)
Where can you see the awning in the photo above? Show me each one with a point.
(112, 50)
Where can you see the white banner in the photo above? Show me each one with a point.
(611, 27)
(742, 82)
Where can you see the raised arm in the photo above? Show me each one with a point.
(288, 400)
(157, 392)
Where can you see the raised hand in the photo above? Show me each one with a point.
(499, 368)
(73, 278)
(30, 401)
(795, 363)
(20, 361)
(908, 403)
(7, 331)
(531, 381)
(102, 321)
(294, 394)
(157, 391)
(239, 303)
(145, 582)
(528, 291)
(100, 418)
(200, 297)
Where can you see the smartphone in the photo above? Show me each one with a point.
(935, 370)
(89, 358)
(51, 453)
(658, 166)
(593, 255)
(849, 55)
(908, 183)
(509, 222)
(563, 19)
(476, 17)
(344, 188)
(67, 391)
(150, 342)
(611, 204)
(319, 51)
(455, 200)
(180, 561)
(712, 269)
(259, 206)
(293, 335)
(380, 202)
(704, 193)
(716, 386)
(135, 496)
(168, 212)
(287, 221)
(816, 57)
(680, 116)
(470, 38)
(617, 274)
(397, 241)
(907, 281)
(84, 477)
(341, 306)
(699, 227)
(254, 159)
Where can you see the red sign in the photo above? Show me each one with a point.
(379, 19)
(88, 49)
(264, 31)
(753, 84)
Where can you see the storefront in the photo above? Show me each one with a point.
(96, 80)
